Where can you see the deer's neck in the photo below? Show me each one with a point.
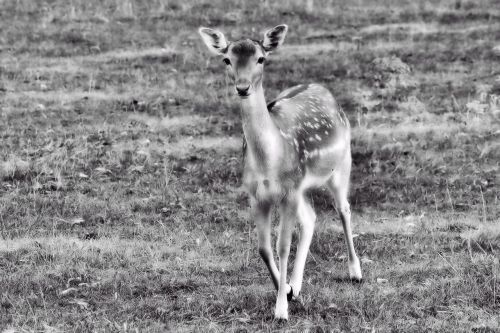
(262, 135)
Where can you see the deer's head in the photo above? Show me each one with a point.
(244, 58)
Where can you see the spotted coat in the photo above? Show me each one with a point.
(314, 129)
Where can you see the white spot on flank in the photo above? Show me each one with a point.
(318, 137)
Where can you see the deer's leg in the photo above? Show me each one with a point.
(288, 213)
(262, 215)
(307, 218)
(339, 187)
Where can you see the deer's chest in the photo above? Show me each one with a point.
(268, 180)
(260, 178)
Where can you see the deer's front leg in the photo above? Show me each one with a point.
(307, 218)
(261, 213)
(288, 214)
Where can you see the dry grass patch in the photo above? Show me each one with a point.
(67, 97)
(15, 168)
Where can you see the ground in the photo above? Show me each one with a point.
(121, 206)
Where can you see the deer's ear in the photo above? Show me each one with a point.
(274, 37)
(214, 39)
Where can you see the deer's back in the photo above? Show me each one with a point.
(313, 126)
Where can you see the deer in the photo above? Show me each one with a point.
(301, 140)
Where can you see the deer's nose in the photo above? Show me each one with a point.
(242, 87)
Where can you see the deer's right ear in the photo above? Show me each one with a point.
(214, 39)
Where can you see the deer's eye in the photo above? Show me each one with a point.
(227, 61)
(261, 60)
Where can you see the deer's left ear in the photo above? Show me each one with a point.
(274, 37)
(214, 39)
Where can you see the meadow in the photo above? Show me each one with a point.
(121, 206)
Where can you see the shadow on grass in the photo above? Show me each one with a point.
(347, 279)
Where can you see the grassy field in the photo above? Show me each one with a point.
(120, 163)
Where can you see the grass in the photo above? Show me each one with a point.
(120, 167)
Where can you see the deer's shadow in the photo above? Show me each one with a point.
(346, 279)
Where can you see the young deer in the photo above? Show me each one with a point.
(301, 140)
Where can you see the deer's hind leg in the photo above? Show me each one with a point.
(338, 186)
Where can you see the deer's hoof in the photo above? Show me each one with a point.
(355, 270)
(281, 310)
(292, 295)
